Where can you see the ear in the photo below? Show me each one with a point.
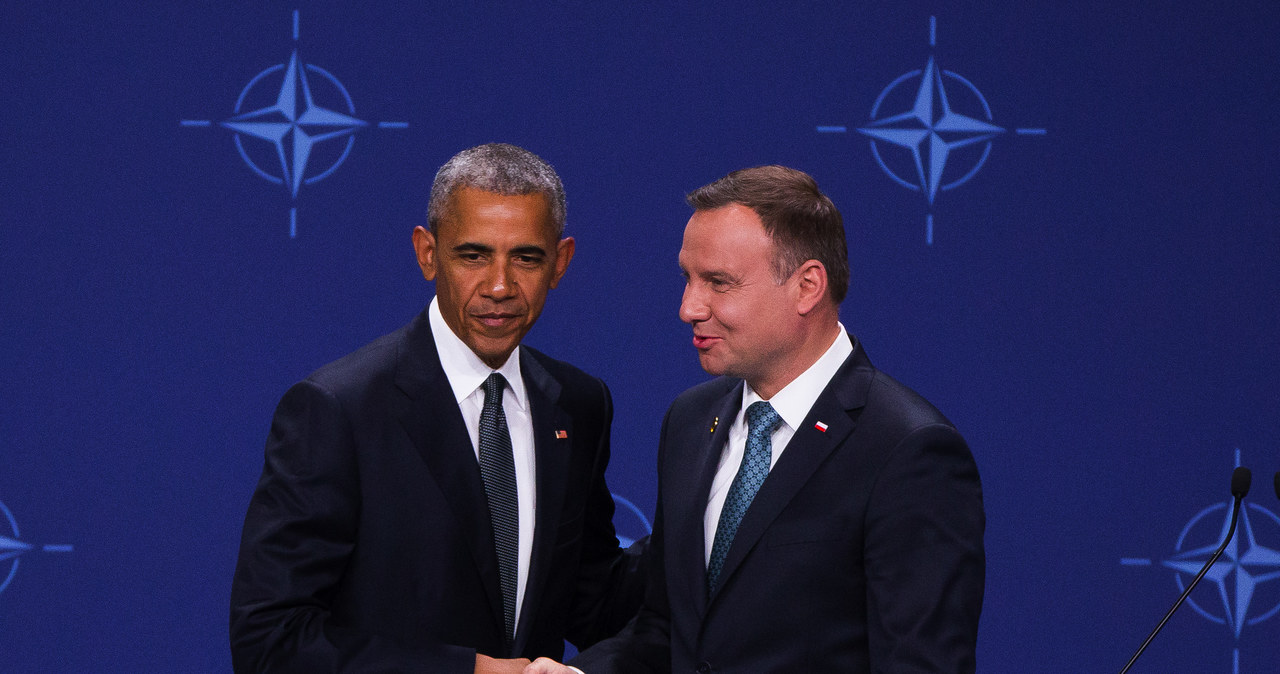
(811, 286)
(424, 245)
(564, 253)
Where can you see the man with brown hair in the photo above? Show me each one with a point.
(814, 515)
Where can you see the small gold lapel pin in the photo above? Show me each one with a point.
(562, 435)
(715, 422)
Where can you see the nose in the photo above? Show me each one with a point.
(692, 308)
(499, 284)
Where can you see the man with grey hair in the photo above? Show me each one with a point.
(394, 528)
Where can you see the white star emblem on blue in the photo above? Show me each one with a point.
(294, 126)
(1237, 573)
(930, 130)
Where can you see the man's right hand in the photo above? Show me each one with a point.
(488, 665)
(549, 666)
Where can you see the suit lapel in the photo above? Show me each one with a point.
(706, 444)
(435, 426)
(836, 407)
(551, 465)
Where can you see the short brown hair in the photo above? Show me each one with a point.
(797, 216)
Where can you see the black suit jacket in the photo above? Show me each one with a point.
(367, 544)
(862, 551)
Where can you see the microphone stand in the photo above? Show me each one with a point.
(1235, 515)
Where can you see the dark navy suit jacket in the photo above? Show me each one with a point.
(862, 551)
(367, 543)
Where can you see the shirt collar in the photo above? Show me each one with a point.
(795, 399)
(464, 369)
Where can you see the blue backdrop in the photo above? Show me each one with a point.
(1082, 274)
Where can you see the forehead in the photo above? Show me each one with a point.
(727, 237)
(476, 213)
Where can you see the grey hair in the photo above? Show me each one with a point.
(499, 168)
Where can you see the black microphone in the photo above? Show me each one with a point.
(1241, 478)
(1277, 485)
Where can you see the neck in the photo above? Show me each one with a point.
(812, 344)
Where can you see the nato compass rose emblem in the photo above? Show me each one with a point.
(294, 124)
(1246, 576)
(931, 130)
(12, 547)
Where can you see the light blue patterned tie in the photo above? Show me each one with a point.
(761, 422)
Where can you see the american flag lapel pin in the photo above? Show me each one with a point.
(821, 426)
(715, 422)
(562, 435)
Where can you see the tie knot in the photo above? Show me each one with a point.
(762, 418)
(493, 387)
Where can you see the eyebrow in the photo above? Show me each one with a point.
(710, 275)
(530, 250)
(468, 247)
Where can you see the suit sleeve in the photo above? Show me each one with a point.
(610, 584)
(644, 645)
(299, 533)
(924, 556)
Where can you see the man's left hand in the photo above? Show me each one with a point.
(549, 666)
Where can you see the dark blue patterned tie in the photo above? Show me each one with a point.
(761, 422)
(498, 470)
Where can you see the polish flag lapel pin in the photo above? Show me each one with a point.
(821, 426)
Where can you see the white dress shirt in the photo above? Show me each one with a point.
(792, 403)
(466, 374)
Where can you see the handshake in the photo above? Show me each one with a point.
(488, 665)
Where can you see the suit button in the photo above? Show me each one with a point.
(704, 668)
